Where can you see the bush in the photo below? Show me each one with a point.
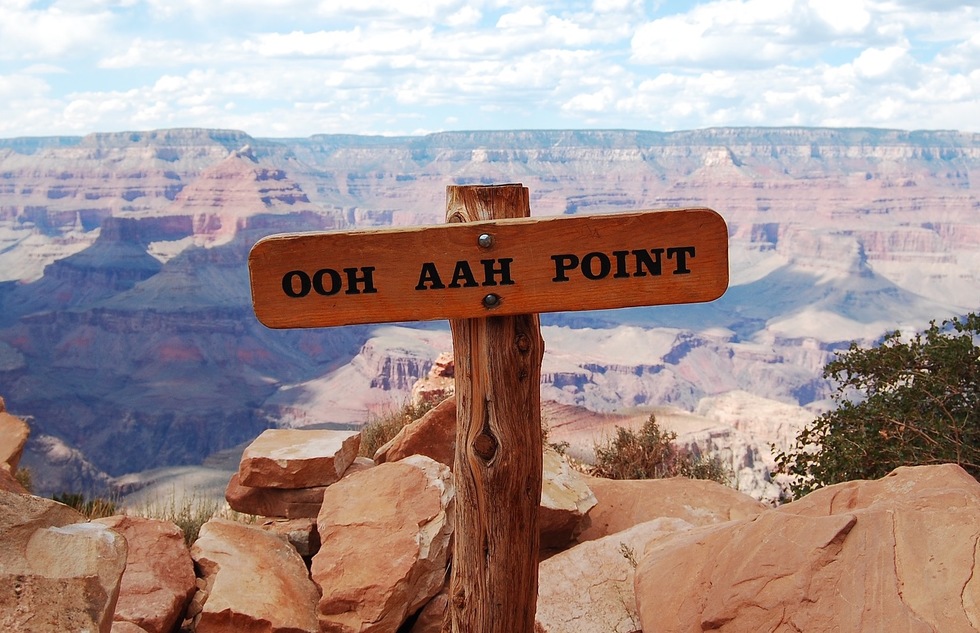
(904, 402)
(651, 454)
(380, 430)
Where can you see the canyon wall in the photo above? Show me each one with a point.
(126, 328)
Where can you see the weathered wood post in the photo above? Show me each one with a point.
(494, 580)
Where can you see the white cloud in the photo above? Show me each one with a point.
(41, 34)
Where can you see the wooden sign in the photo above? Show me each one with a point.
(490, 268)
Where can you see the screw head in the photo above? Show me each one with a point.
(491, 301)
(485, 240)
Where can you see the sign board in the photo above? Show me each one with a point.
(480, 269)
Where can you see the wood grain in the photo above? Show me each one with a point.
(498, 462)
(534, 265)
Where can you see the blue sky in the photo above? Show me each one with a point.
(277, 68)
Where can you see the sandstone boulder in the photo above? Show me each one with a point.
(13, 436)
(254, 582)
(621, 504)
(565, 500)
(385, 536)
(292, 503)
(159, 579)
(300, 533)
(298, 458)
(120, 626)
(896, 554)
(57, 572)
(589, 587)
(9, 483)
(433, 616)
(432, 435)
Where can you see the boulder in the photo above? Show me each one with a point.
(432, 617)
(589, 587)
(385, 541)
(621, 504)
(300, 533)
(565, 500)
(121, 626)
(9, 483)
(159, 579)
(896, 554)
(57, 572)
(254, 582)
(298, 458)
(292, 503)
(432, 435)
(13, 436)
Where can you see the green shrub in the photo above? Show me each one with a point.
(651, 454)
(908, 401)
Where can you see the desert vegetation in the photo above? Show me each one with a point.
(907, 401)
(651, 453)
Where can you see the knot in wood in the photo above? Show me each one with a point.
(523, 343)
(485, 446)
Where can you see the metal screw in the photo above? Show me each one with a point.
(491, 301)
(485, 240)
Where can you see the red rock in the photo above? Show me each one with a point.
(300, 533)
(255, 582)
(895, 554)
(13, 435)
(295, 503)
(298, 458)
(385, 535)
(432, 435)
(57, 573)
(565, 500)
(120, 626)
(9, 483)
(432, 617)
(159, 579)
(628, 502)
(589, 587)
(438, 384)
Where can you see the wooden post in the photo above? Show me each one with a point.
(494, 581)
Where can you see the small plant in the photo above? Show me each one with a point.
(651, 454)
(190, 513)
(629, 554)
(380, 430)
(24, 478)
(96, 508)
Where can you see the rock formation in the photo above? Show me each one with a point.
(898, 553)
(253, 581)
(159, 579)
(384, 545)
(57, 572)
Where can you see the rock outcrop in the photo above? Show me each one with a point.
(159, 580)
(621, 504)
(589, 587)
(297, 458)
(897, 553)
(432, 435)
(57, 572)
(385, 536)
(254, 581)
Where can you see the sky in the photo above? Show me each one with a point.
(293, 68)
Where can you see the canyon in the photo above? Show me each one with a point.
(128, 339)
